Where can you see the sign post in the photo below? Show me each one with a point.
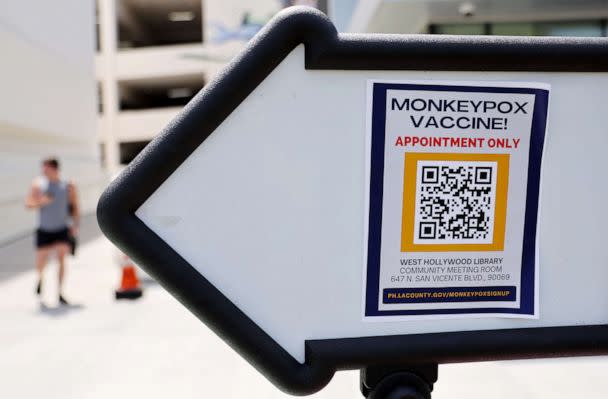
(382, 202)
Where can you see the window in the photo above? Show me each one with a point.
(143, 23)
(459, 29)
(129, 150)
(570, 28)
(592, 28)
(159, 92)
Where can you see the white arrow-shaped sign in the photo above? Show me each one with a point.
(251, 206)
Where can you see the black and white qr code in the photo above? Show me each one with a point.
(455, 202)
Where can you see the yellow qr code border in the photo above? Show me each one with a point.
(409, 202)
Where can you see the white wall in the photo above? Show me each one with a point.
(378, 16)
(165, 61)
(140, 125)
(47, 103)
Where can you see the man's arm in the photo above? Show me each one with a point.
(36, 199)
(74, 207)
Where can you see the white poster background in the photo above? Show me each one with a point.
(398, 123)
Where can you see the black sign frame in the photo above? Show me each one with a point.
(326, 49)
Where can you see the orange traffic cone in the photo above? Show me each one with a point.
(129, 284)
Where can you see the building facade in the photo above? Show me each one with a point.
(155, 55)
(479, 17)
(47, 105)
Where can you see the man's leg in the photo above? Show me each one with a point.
(42, 256)
(62, 250)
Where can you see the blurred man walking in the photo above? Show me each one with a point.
(58, 219)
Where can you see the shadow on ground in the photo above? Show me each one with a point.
(148, 282)
(59, 310)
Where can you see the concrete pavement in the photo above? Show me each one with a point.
(154, 348)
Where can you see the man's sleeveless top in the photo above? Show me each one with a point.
(54, 216)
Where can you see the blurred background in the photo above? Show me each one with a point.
(92, 82)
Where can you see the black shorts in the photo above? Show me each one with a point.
(46, 238)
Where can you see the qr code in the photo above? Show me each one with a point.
(455, 202)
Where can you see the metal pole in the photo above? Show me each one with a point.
(403, 382)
